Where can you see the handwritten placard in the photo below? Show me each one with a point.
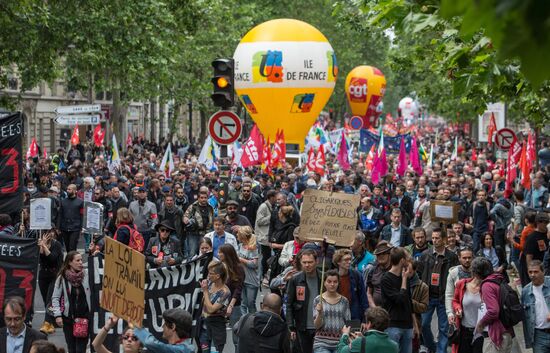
(330, 215)
(444, 211)
(123, 282)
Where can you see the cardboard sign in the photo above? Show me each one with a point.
(123, 282)
(444, 211)
(330, 215)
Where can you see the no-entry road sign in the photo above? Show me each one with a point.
(505, 138)
(225, 127)
(356, 122)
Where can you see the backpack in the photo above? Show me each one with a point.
(136, 239)
(511, 310)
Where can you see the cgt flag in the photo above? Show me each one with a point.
(11, 164)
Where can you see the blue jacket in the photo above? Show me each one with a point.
(528, 299)
(359, 302)
(153, 345)
(405, 238)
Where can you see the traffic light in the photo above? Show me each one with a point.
(223, 81)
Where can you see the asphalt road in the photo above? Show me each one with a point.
(59, 339)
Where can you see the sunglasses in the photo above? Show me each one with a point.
(130, 338)
(163, 230)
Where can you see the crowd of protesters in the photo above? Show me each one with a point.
(379, 294)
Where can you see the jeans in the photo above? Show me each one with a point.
(192, 246)
(324, 350)
(233, 319)
(541, 343)
(248, 300)
(87, 240)
(443, 325)
(499, 236)
(514, 253)
(402, 336)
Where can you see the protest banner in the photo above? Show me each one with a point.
(41, 213)
(330, 215)
(444, 211)
(391, 143)
(93, 217)
(18, 264)
(165, 288)
(123, 282)
(11, 164)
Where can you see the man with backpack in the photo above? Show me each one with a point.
(496, 294)
(264, 331)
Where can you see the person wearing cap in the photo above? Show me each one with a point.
(176, 332)
(197, 221)
(233, 220)
(144, 213)
(373, 273)
(536, 244)
(235, 188)
(163, 250)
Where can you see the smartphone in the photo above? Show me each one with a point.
(355, 325)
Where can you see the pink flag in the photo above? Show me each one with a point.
(375, 173)
(383, 163)
(402, 159)
(415, 157)
(343, 153)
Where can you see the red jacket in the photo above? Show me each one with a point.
(460, 289)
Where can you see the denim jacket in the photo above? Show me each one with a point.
(528, 299)
(155, 346)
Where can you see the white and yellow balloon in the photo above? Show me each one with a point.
(285, 72)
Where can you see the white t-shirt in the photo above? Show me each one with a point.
(541, 309)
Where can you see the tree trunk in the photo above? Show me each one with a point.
(162, 118)
(173, 120)
(120, 124)
(203, 125)
(153, 119)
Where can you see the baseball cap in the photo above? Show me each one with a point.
(542, 217)
(142, 189)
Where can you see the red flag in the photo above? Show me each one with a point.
(343, 153)
(33, 149)
(129, 140)
(277, 150)
(491, 129)
(513, 158)
(282, 144)
(320, 161)
(45, 152)
(402, 159)
(75, 138)
(369, 161)
(267, 165)
(253, 149)
(531, 155)
(99, 135)
(474, 154)
(524, 167)
(311, 160)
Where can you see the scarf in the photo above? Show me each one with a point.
(74, 278)
(297, 247)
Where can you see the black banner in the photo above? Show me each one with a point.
(11, 164)
(18, 266)
(165, 288)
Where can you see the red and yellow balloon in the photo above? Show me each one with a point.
(365, 88)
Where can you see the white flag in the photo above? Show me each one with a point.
(167, 164)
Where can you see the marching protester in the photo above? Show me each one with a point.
(17, 337)
(71, 304)
(51, 260)
(176, 333)
(536, 300)
(130, 343)
(43, 346)
(163, 250)
(248, 256)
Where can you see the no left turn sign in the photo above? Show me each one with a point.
(505, 138)
(225, 127)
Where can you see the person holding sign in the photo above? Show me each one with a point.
(51, 259)
(130, 342)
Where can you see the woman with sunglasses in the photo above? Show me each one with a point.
(130, 343)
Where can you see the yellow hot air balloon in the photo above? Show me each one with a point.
(285, 72)
(365, 88)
